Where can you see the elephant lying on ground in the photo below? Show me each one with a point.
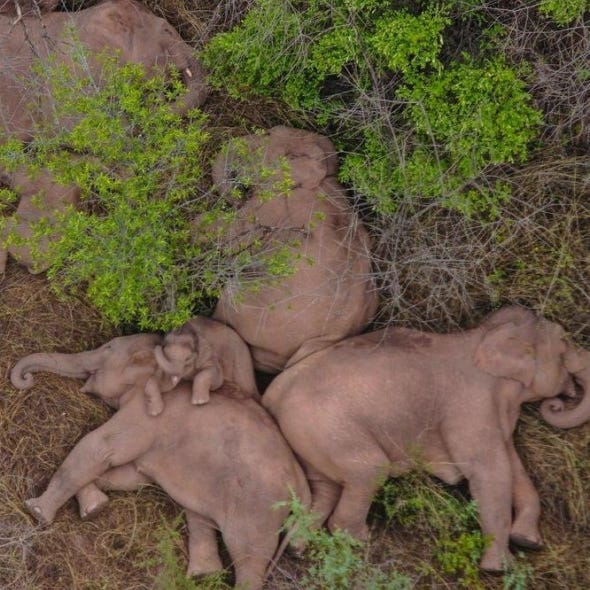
(383, 403)
(208, 353)
(226, 464)
(123, 26)
(330, 294)
(205, 351)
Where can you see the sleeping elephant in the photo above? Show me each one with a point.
(382, 403)
(295, 202)
(206, 352)
(123, 27)
(187, 452)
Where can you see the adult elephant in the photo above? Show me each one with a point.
(121, 27)
(294, 201)
(386, 402)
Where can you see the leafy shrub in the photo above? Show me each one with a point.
(563, 12)
(135, 247)
(413, 121)
(335, 561)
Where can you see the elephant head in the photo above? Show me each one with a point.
(178, 356)
(534, 351)
(309, 157)
(144, 38)
(110, 370)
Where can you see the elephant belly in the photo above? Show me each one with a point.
(181, 480)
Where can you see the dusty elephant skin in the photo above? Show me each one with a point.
(382, 403)
(208, 353)
(122, 26)
(330, 294)
(230, 444)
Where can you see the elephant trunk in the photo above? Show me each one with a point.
(163, 362)
(554, 411)
(67, 365)
(193, 77)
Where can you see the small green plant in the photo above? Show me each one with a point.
(518, 576)
(563, 12)
(412, 123)
(171, 568)
(418, 502)
(336, 560)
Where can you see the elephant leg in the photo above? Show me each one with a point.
(91, 498)
(203, 553)
(91, 501)
(353, 506)
(490, 483)
(204, 381)
(115, 443)
(250, 555)
(324, 496)
(526, 504)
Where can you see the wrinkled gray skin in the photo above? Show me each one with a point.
(231, 444)
(330, 294)
(206, 352)
(386, 402)
(115, 25)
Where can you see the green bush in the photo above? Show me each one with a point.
(336, 561)
(563, 12)
(414, 120)
(145, 247)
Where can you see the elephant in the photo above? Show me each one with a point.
(297, 202)
(232, 442)
(389, 401)
(122, 27)
(208, 353)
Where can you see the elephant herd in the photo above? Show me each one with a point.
(346, 408)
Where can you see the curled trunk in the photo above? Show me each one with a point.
(554, 411)
(163, 362)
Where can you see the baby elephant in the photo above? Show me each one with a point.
(206, 352)
(381, 403)
(227, 465)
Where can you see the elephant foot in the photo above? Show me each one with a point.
(297, 547)
(359, 531)
(92, 508)
(494, 562)
(201, 568)
(35, 509)
(532, 543)
(154, 407)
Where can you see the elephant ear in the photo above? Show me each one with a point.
(506, 352)
(143, 358)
